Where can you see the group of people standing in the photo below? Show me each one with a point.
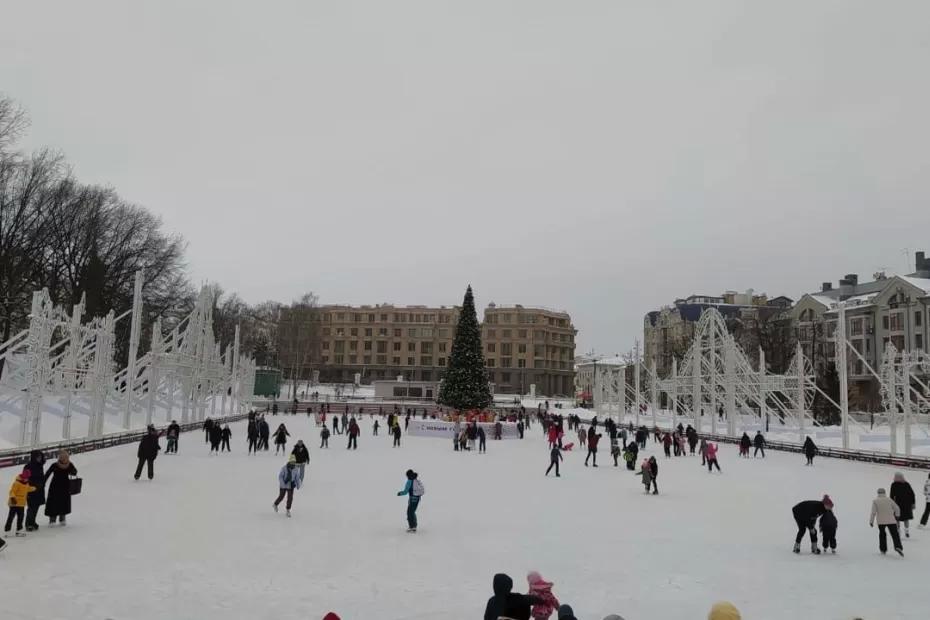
(28, 493)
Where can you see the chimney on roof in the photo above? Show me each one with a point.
(922, 263)
(852, 278)
(826, 286)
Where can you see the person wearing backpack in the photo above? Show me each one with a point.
(414, 490)
(288, 482)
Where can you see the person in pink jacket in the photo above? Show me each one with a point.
(710, 453)
(542, 589)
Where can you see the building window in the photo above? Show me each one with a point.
(382, 346)
(490, 363)
(521, 333)
(441, 361)
(395, 361)
(353, 359)
(918, 318)
(411, 361)
(397, 345)
(505, 333)
(443, 332)
(855, 327)
(426, 347)
(384, 318)
(491, 347)
(337, 359)
(382, 360)
(371, 318)
(325, 359)
(411, 347)
(382, 331)
(368, 345)
(340, 331)
(353, 345)
(918, 342)
(426, 361)
(505, 348)
(521, 363)
(326, 345)
(492, 333)
(898, 342)
(398, 333)
(885, 322)
(521, 348)
(368, 332)
(326, 331)
(506, 362)
(897, 322)
(366, 359)
(442, 347)
(427, 332)
(339, 346)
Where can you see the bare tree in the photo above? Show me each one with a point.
(299, 337)
(13, 122)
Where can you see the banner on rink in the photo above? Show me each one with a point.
(441, 428)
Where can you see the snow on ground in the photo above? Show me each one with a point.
(201, 541)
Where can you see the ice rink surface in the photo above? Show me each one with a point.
(202, 542)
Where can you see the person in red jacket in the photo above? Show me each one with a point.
(667, 445)
(593, 438)
(354, 431)
(553, 436)
(710, 453)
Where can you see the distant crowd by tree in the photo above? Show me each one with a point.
(75, 239)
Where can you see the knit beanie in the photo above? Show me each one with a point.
(827, 502)
(566, 612)
(331, 616)
(723, 611)
(881, 491)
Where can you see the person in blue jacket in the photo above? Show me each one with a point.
(414, 490)
(288, 482)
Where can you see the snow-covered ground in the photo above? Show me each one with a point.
(201, 541)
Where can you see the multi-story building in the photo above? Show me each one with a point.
(586, 369)
(668, 332)
(529, 346)
(522, 346)
(888, 309)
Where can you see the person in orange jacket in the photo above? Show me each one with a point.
(17, 501)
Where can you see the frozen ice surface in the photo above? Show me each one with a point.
(201, 541)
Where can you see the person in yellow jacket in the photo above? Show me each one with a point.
(17, 501)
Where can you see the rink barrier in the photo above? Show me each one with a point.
(865, 456)
(20, 456)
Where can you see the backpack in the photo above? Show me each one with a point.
(418, 489)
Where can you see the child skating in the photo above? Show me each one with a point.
(17, 502)
(541, 589)
(288, 482)
(828, 525)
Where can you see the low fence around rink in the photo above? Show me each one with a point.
(20, 456)
(865, 456)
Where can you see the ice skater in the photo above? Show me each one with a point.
(703, 451)
(147, 452)
(288, 482)
(396, 433)
(667, 445)
(58, 502)
(542, 589)
(593, 439)
(324, 437)
(19, 490)
(482, 440)
(174, 432)
(216, 436)
(280, 439)
(263, 432)
(252, 436)
(710, 454)
(555, 455)
(353, 431)
(744, 444)
(226, 434)
(36, 498)
(582, 437)
(810, 450)
(902, 494)
(926, 515)
(759, 442)
(376, 428)
(805, 516)
(414, 490)
(828, 525)
(301, 457)
(645, 472)
(886, 512)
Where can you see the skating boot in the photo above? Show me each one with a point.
(20, 534)
(833, 551)
(797, 547)
(815, 549)
(2, 544)
(907, 532)
(899, 550)
(275, 506)
(412, 530)
(288, 512)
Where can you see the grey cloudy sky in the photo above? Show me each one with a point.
(599, 157)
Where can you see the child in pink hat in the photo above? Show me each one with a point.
(543, 589)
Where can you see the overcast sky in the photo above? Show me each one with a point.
(598, 157)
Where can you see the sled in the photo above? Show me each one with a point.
(568, 447)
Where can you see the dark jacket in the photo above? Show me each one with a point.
(654, 466)
(216, 433)
(903, 495)
(226, 433)
(555, 454)
(809, 448)
(263, 429)
(516, 606)
(759, 440)
(281, 435)
(59, 489)
(481, 434)
(808, 511)
(174, 430)
(36, 474)
(148, 447)
(301, 453)
(828, 523)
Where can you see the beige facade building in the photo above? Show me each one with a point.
(522, 346)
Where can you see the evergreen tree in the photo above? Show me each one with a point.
(465, 384)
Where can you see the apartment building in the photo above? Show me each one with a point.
(668, 332)
(523, 346)
(887, 309)
(529, 346)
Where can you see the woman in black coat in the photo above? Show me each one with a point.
(810, 450)
(903, 495)
(58, 503)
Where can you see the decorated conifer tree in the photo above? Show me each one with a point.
(465, 384)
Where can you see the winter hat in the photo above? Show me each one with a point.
(723, 611)
(534, 578)
(898, 477)
(25, 474)
(292, 460)
(881, 491)
(566, 612)
(613, 617)
(827, 502)
(331, 616)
